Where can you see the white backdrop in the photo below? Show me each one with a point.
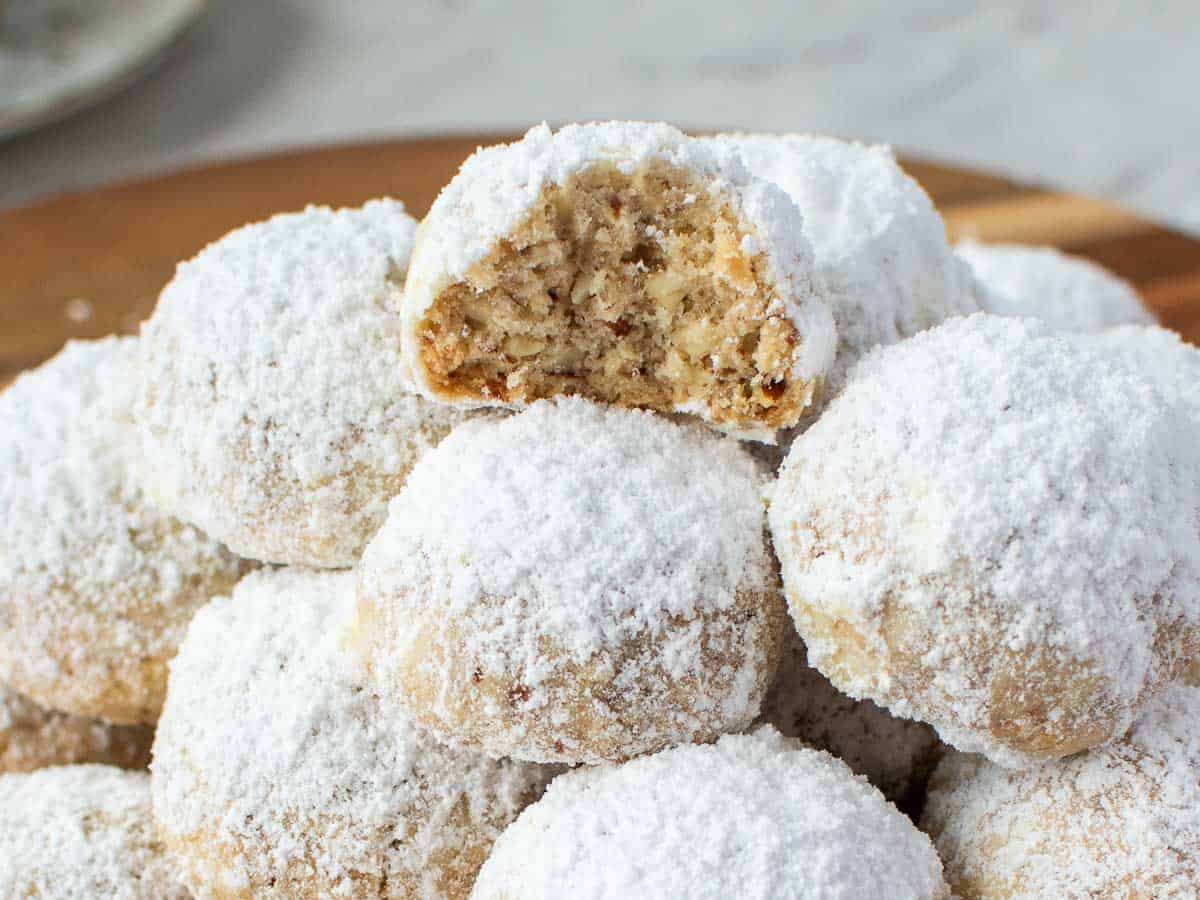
(1096, 95)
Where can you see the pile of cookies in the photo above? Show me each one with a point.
(663, 517)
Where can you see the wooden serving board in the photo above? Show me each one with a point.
(91, 263)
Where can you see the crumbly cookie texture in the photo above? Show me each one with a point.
(879, 244)
(1118, 821)
(576, 583)
(275, 412)
(895, 755)
(755, 815)
(624, 262)
(32, 737)
(278, 771)
(96, 586)
(994, 530)
(1068, 292)
(82, 831)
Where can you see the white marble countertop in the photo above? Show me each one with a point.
(1094, 95)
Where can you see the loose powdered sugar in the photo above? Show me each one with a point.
(1119, 821)
(1068, 292)
(567, 536)
(95, 586)
(278, 771)
(991, 488)
(880, 246)
(756, 816)
(499, 185)
(275, 410)
(1158, 354)
(81, 831)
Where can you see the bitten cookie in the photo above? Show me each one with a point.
(96, 586)
(1118, 821)
(879, 244)
(994, 530)
(279, 773)
(624, 262)
(81, 831)
(754, 815)
(32, 737)
(274, 411)
(1068, 292)
(576, 583)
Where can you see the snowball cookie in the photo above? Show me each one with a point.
(896, 755)
(880, 245)
(278, 773)
(274, 412)
(577, 583)
(624, 262)
(1069, 292)
(994, 530)
(32, 737)
(1120, 821)
(96, 587)
(81, 831)
(755, 816)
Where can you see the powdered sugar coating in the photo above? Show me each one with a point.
(754, 816)
(576, 583)
(1119, 821)
(880, 246)
(275, 413)
(279, 773)
(895, 755)
(96, 587)
(498, 185)
(1068, 292)
(1160, 355)
(81, 831)
(994, 530)
(32, 737)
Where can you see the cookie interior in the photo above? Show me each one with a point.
(634, 288)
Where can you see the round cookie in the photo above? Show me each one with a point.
(96, 586)
(879, 244)
(895, 755)
(577, 583)
(81, 831)
(755, 815)
(1118, 821)
(275, 412)
(621, 261)
(32, 738)
(1068, 292)
(279, 773)
(994, 530)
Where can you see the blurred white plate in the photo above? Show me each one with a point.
(59, 56)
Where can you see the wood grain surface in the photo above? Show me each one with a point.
(91, 263)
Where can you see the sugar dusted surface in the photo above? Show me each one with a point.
(1119, 821)
(754, 816)
(1160, 355)
(498, 185)
(1066, 291)
(275, 411)
(987, 478)
(591, 528)
(274, 749)
(879, 245)
(91, 577)
(81, 831)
